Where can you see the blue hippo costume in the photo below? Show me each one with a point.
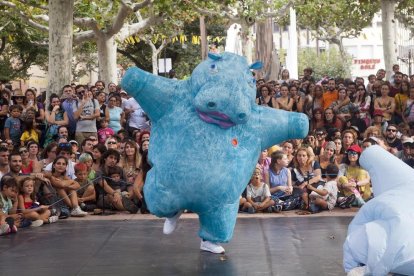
(207, 134)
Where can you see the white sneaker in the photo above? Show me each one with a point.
(170, 224)
(53, 219)
(77, 212)
(36, 223)
(357, 271)
(211, 247)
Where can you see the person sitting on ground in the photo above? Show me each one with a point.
(263, 163)
(328, 157)
(87, 159)
(65, 150)
(258, 195)
(9, 219)
(280, 179)
(65, 187)
(354, 180)
(28, 206)
(324, 197)
(86, 192)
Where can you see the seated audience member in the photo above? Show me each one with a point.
(392, 140)
(65, 150)
(306, 171)
(28, 166)
(349, 138)
(280, 180)
(287, 148)
(353, 179)
(258, 195)
(328, 157)
(30, 133)
(406, 154)
(9, 219)
(104, 131)
(263, 163)
(320, 135)
(28, 206)
(331, 121)
(86, 192)
(324, 197)
(86, 158)
(109, 190)
(65, 187)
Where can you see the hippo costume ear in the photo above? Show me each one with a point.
(214, 56)
(256, 66)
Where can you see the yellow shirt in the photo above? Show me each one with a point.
(400, 100)
(30, 135)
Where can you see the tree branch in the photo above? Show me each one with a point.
(128, 55)
(23, 16)
(136, 6)
(79, 38)
(281, 12)
(43, 17)
(3, 44)
(132, 29)
(39, 6)
(88, 23)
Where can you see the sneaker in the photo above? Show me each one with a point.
(53, 219)
(277, 208)
(4, 229)
(129, 205)
(313, 208)
(77, 212)
(251, 210)
(36, 223)
(346, 203)
(211, 247)
(170, 224)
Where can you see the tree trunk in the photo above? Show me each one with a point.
(203, 35)
(107, 58)
(390, 55)
(60, 44)
(264, 46)
(154, 59)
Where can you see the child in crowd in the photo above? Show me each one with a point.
(104, 132)
(28, 206)
(86, 193)
(87, 159)
(9, 220)
(13, 125)
(30, 133)
(115, 173)
(258, 195)
(324, 196)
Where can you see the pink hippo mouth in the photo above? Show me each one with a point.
(214, 117)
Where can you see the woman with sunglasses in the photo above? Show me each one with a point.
(116, 114)
(130, 160)
(28, 166)
(111, 143)
(18, 99)
(353, 181)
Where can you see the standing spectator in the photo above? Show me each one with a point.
(284, 102)
(13, 125)
(396, 84)
(317, 102)
(408, 109)
(104, 131)
(137, 118)
(18, 99)
(85, 113)
(330, 95)
(67, 105)
(30, 101)
(318, 120)
(103, 111)
(400, 98)
(55, 116)
(4, 110)
(265, 98)
(116, 114)
(100, 85)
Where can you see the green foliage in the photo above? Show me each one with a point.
(328, 63)
(404, 12)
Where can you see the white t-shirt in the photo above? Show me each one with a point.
(258, 193)
(88, 110)
(137, 118)
(70, 169)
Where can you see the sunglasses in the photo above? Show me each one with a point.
(19, 98)
(111, 143)
(23, 151)
(391, 130)
(353, 153)
(319, 133)
(65, 146)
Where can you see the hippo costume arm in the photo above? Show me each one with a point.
(272, 125)
(380, 235)
(155, 94)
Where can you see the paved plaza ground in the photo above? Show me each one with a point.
(125, 244)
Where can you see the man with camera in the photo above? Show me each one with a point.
(85, 110)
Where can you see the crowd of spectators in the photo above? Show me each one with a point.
(346, 116)
(84, 151)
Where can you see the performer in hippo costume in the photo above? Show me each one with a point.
(380, 237)
(207, 134)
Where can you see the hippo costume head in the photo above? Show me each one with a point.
(207, 134)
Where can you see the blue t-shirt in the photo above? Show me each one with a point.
(280, 179)
(15, 129)
(115, 118)
(5, 204)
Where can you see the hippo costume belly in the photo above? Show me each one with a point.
(206, 138)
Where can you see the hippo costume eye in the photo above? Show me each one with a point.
(213, 68)
(252, 82)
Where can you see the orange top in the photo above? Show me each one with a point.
(329, 98)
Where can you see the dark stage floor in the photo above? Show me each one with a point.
(261, 246)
